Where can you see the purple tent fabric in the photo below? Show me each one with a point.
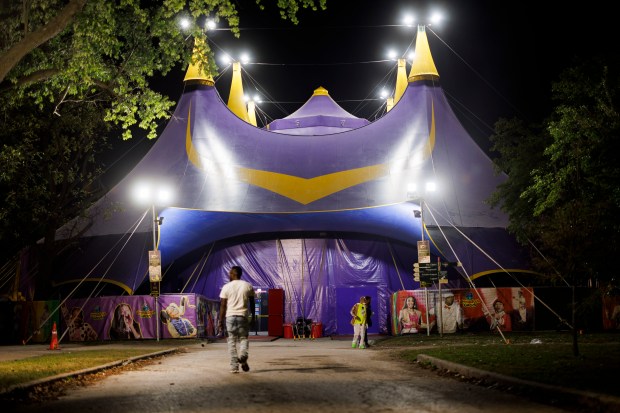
(320, 115)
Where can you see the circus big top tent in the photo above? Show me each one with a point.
(319, 204)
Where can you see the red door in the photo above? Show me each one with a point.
(275, 309)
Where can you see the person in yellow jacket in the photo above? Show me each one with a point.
(360, 323)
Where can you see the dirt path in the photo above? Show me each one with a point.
(286, 376)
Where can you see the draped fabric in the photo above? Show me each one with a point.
(310, 271)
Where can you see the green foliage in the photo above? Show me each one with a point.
(50, 169)
(564, 180)
(70, 70)
(107, 51)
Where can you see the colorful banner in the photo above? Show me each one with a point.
(178, 316)
(450, 311)
(135, 317)
(109, 318)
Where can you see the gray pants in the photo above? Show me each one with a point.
(238, 330)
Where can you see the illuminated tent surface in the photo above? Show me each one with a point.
(323, 215)
(319, 116)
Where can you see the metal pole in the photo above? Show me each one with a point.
(157, 296)
(154, 236)
(422, 219)
(440, 303)
(157, 316)
(428, 320)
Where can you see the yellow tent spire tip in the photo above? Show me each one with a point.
(236, 98)
(423, 66)
(194, 73)
(320, 91)
(401, 80)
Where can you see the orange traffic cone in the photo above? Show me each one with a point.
(54, 342)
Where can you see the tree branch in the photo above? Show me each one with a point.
(33, 40)
(31, 78)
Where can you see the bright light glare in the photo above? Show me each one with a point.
(225, 59)
(411, 56)
(408, 20)
(142, 192)
(245, 58)
(431, 187)
(411, 188)
(210, 25)
(436, 18)
(147, 193)
(164, 196)
(383, 94)
(185, 23)
(246, 98)
(257, 99)
(392, 54)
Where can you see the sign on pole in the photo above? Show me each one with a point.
(424, 252)
(155, 266)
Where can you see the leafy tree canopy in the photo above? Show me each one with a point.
(563, 191)
(73, 71)
(106, 51)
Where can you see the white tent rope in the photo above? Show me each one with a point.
(196, 268)
(135, 227)
(496, 263)
(282, 263)
(470, 281)
(395, 265)
(546, 260)
(105, 272)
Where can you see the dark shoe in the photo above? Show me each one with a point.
(244, 363)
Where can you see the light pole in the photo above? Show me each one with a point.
(154, 194)
(424, 255)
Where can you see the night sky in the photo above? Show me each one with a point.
(495, 58)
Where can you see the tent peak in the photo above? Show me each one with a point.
(320, 91)
(423, 66)
(198, 73)
(236, 98)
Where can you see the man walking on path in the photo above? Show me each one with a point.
(237, 297)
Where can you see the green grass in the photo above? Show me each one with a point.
(34, 368)
(551, 362)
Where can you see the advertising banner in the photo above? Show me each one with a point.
(450, 311)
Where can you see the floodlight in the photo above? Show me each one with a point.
(245, 58)
(210, 24)
(408, 20)
(431, 187)
(436, 17)
(392, 54)
(225, 59)
(185, 23)
(142, 192)
(164, 196)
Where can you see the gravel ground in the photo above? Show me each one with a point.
(285, 375)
